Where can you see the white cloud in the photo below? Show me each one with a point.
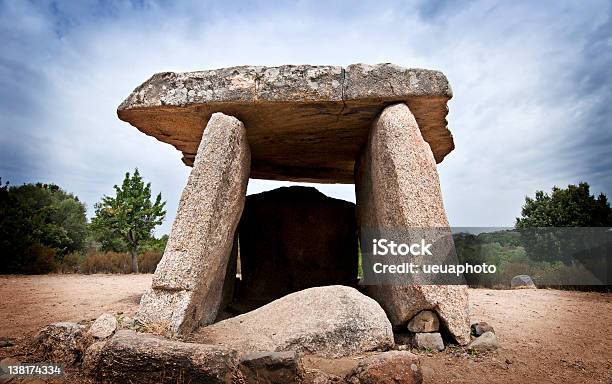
(516, 70)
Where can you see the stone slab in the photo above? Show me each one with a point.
(187, 286)
(131, 357)
(301, 237)
(304, 123)
(397, 187)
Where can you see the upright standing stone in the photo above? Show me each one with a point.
(187, 285)
(397, 188)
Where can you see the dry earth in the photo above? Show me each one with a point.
(547, 336)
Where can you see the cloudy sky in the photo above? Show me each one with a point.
(532, 84)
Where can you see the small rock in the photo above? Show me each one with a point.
(4, 363)
(480, 328)
(6, 342)
(508, 361)
(61, 342)
(92, 356)
(424, 321)
(271, 367)
(402, 347)
(104, 326)
(393, 367)
(522, 281)
(485, 342)
(431, 341)
(127, 322)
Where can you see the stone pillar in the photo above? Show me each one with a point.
(397, 188)
(187, 286)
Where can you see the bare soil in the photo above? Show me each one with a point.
(546, 336)
(27, 303)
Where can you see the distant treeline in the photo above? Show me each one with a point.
(572, 263)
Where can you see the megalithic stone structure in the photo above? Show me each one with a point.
(397, 188)
(187, 286)
(382, 127)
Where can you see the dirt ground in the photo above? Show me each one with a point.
(546, 336)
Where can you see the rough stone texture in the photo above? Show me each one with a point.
(188, 282)
(91, 358)
(522, 282)
(62, 342)
(103, 327)
(424, 321)
(301, 237)
(305, 123)
(131, 357)
(397, 187)
(315, 376)
(480, 328)
(329, 321)
(6, 342)
(271, 368)
(431, 341)
(485, 342)
(393, 367)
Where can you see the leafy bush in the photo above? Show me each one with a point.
(70, 263)
(36, 221)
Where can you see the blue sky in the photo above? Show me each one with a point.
(532, 84)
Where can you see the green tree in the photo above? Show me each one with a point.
(544, 221)
(130, 214)
(39, 225)
(573, 206)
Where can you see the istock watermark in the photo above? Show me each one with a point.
(567, 256)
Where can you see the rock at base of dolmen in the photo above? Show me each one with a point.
(397, 188)
(329, 321)
(62, 342)
(480, 328)
(485, 342)
(522, 282)
(271, 368)
(131, 357)
(104, 326)
(393, 367)
(429, 341)
(188, 282)
(424, 321)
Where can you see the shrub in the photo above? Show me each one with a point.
(70, 263)
(147, 262)
(39, 259)
(105, 262)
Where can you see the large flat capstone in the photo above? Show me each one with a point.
(304, 123)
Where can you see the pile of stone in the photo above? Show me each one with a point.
(425, 327)
(485, 339)
(266, 345)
